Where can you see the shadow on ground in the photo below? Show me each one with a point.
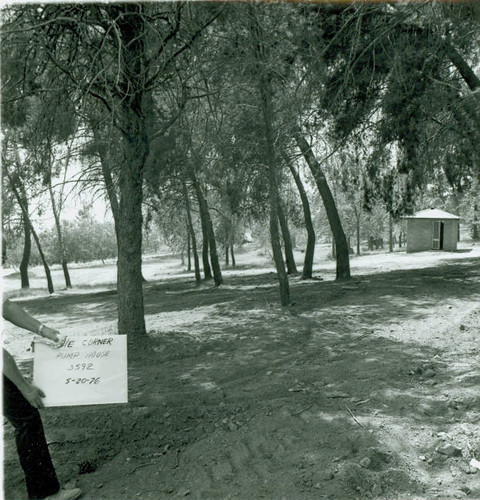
(352, 392)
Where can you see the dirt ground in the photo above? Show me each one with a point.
(365, 389)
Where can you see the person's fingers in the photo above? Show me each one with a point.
(61, 340)
(38, 400)
(36, 403)
(52, 334)
(36, 397)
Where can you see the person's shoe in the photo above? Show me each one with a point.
(65, 494)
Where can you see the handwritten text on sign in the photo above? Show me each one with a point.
(84, 371)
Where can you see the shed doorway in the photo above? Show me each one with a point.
(438, 230)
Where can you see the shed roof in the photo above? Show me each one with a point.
(432, 213)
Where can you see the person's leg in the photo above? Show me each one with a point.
(35, 459)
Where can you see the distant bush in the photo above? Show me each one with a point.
(85, 240)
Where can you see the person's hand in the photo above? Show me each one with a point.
(33, 395)
(51, 334)
(62, 340)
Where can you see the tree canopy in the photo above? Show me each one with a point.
(202, 116)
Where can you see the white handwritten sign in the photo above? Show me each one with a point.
(86, 370)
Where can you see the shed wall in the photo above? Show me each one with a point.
(420, 235)
(450, 237)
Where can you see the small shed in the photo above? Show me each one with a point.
(432, 229)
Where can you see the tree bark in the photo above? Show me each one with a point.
(208, 231)
(226, 241)
(469, 76)
(475, 231)
(277, 249)
(390, 233)
(217, 273)
(22, 204)
(46, 267)
(134, 152)
(357, 217)
(307, 272)
(61, 245)
(193, 238)
(207, 270)
(233, 224)
(113, 198)
(341, 246)
(27, 249)
(287, 240)
(129, 234)
(265, 93)
(48, 274)
(105, 163)
(189, 249)
(196, 259)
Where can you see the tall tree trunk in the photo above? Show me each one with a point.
(134, 152)
(287, 240)
(57, 209)
(196, 260)
(27, 249)
(226, 242)
(46, 267)
(48, 275)
(390, 233)
(113, 197)
(475, 231)
(265, 93)
(469, 76)
(210, 235)
(189, 249)
(61, 244)
(357, 218)
(131, 311)
(284, 288)
(129, 233)
(66, 274)
(341, 246)
(23, 204)
(307, 214)
(233, 224)
(105, 163)
(217, 272)
(182, 256)
(207, 270)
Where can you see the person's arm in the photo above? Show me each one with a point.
(19, 317)
(31, 393)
